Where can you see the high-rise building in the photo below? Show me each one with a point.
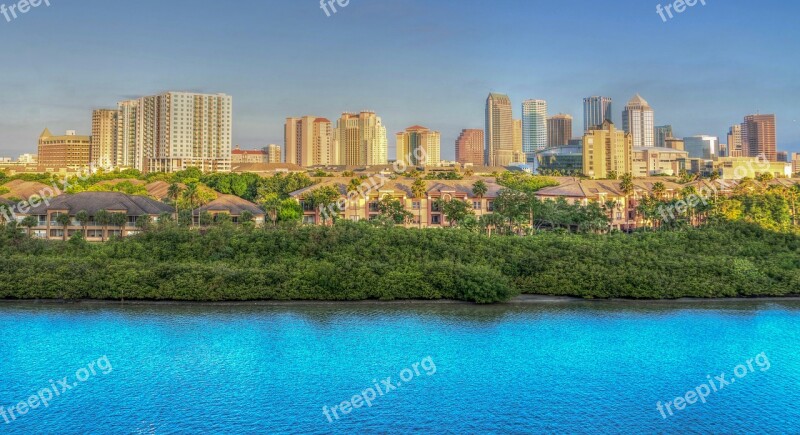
(607, 150)
(499, 150)
(735, 144)
(273, 153)
(103, 151)
(758, 136)
(796, 164)
(559, 130)
(69, 151)
(596, 110)
(361, 139)
(518, 153)
(782, 156)
(534, 126)
(174, 131)
(638, 120)
(469, 147)
(702, 147)
(308, 141)
(419, 146)
(662, 132)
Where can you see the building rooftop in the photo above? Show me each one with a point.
(93, 202)
(231, 204)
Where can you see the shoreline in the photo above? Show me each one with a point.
(518, 300)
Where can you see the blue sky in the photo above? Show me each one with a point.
(429, 62)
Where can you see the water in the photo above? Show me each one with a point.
(530, 368)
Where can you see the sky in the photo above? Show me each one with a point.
(427, 62)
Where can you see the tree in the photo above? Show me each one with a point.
(83, 218)
(119, 220)
(174, 193)
(479, 188)
(64, 220)
(322, 200)
(659, 189)
(393, 211)
(490, 221)
(246, 217)
(205, 219)
(627, 188)
(455, 210)
(103, 218)
(29, 222)
(272, 206)
(144, 223)
(419, 190)
(512, 205)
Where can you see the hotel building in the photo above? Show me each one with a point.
(361, 139)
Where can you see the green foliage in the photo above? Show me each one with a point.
(393, 212)
(523, 182)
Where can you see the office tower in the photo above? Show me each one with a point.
(559, 130)
(662, 132)
(499, 138)
(518, 153)
(469, 147)
(308, 141)
(174, 131)
(596, 110)
(419, 146)
(69, 151)
(735, 144)
(534, 126)
(103, 149)
(273, 152)
(782, 156)
(638, 120)
(702, 147)
(758, 136)
(361, 139)
(607, 151)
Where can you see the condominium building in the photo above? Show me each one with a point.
(104, 138)
(702, 147)
(419, 146)
(499, 150)
(607, 150)
(361, 139)
(469, 147)
(534, 125)
(661, 133)
(559, 130)
(69, 151)
(638, 120)
(308, 141)
(273, 152)
(758, 136)
(735, 144)
(173, 131)
(596, 110)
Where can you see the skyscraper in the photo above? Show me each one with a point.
(361, 139)
(638, 120)
(518, 154)
(308, 141)
(469, 147)
(596, 110)
(534, 126)
(758, 136)
(174, 131)
(104, 138)
(419, 146)
(607, 150)
(273, 152)
(795, 164)
(702, 146)
(499, 149)
(662, 132)
(559, 130)
(735, 147)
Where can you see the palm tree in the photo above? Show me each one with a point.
(64, 220)
(174, 193)
(659, 189)
(119, 220)
(353, 186)
(479, 188)
(103, 218)
(83, 218)
(419, 189)
(29, 222)
(191, 194)
(626, 185)
(271, 206)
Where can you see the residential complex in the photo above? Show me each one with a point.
(559, 130)
(360, 139)
(68, 151)
(419, 146)
(606, 151)
(638, 120)
(596, 110)
(499, 150)
(534, 126)
(469, 147)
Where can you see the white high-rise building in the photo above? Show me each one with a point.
(596, 110)
(174, 131)
(360, 139)
(638, 119)
(534, 125)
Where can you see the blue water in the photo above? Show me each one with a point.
(529, 368)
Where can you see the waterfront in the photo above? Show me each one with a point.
(567, 366)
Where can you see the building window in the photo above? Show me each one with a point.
(476, 205)
(415, 205)
(490, 205)
(309, 220)
(436, 220)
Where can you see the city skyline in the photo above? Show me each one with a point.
(269, 83)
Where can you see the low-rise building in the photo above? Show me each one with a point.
(232, 206)
(649, 161)
(734, 168)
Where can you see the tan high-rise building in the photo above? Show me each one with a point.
(174, 131)
(638, 119)
(758, 136)
(796, 164)
(419, 146)
(469, 147)
(361, 139)
(499, 138)
(308, 141)
(104, 138)
(674, 143)
(559, 130)
(607, 150)
(519, 155)
(69, 151)
(273, 153)
(735, 148)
